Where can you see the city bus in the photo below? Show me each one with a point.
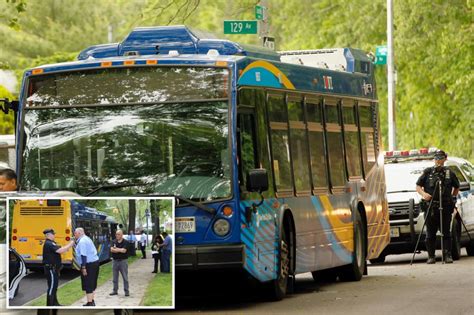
(274, 157)
(31, 217)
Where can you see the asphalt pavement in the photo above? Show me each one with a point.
(394, 287)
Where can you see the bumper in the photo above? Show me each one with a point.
(209, 257)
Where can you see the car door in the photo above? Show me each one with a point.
(466, 198)
(468, 170)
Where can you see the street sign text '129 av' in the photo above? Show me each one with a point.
(240, 27)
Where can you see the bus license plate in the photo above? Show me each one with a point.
(185, 224)
(394, 232)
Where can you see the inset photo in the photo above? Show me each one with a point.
(100, 252)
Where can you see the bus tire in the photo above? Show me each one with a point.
(470, 248)
(456, 241)
(278, 287)
(355, 270)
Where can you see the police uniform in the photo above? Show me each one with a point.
(52, 266)
(430, 180)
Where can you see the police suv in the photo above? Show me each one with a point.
(402, 169)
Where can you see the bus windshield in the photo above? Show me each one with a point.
(160, 146)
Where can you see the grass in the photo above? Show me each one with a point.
(159, 291)
(72, 291)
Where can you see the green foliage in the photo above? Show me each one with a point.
(7, 120)
(433, 46)
(159, 291)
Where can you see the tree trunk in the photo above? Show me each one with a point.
(155, 217)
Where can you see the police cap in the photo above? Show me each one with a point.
(48, 231)
(440, 155)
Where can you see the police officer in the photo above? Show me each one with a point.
(52, 265)
(428, 187)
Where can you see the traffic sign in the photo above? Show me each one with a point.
(240, 27)
(269, 42)
(381, 55)
(260, 12)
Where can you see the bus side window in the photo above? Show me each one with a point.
(334, 140)
(247, 147)
(246, 135)
(299, 145)
(316, 145)
(278, 118)
(367, 135)
(351, 138)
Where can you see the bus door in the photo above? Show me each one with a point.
(258, 231)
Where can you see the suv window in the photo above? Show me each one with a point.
(458, 173)
(468, 170)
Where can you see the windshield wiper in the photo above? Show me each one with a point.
(186, 200)
(399, 191)
(105, 187)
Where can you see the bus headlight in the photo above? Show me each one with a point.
(221, 227)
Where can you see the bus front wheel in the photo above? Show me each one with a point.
(355, 270)
(278, 287)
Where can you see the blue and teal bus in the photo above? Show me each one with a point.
(274, 157)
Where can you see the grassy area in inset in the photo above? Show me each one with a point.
(72, 291)
(159, 291)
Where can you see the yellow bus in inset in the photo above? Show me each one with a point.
(31, 217)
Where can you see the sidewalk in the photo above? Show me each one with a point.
(139, 275)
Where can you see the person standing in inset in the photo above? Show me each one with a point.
(166, 252)
(132, 239)
(156, 252)
(86, 254)
(428, 187)
(52, 265)
(120, 263)
(143, 241)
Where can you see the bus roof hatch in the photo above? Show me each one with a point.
(160, 40)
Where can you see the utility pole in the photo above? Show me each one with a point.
(392, 141)
(261, 14)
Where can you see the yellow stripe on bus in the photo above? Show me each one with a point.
(344, 231)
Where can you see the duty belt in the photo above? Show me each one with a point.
(51, 266)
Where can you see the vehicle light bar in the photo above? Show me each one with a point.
(413, 154)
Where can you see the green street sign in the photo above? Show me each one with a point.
(259, 15)
(240, 27)
(381, 55)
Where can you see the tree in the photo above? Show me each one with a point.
(132, 211)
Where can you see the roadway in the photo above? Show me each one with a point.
(34, 285)
(394, 287)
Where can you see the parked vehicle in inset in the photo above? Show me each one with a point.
(17, 271)
(402, 169)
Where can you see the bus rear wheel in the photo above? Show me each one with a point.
(355, 270)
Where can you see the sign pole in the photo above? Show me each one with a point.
(392, 143)
(263, 22)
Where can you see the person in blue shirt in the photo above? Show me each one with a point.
(166, 252)
(86, 255)
(132, 239)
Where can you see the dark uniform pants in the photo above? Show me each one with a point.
(165, 258)
(52, 275)
(433, 224)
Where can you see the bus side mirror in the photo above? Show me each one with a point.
(6, 105)
(257, 180)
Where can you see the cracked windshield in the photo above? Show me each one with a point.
(129, 130)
